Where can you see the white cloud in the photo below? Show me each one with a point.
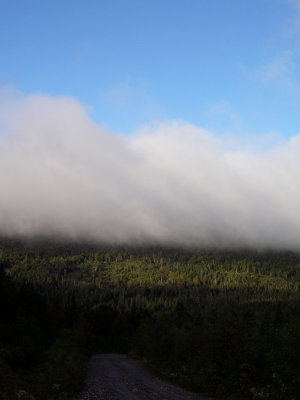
(173, 183)
(292, 24)
(280, 71)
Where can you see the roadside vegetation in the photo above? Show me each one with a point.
(225, 323)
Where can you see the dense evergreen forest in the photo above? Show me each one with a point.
(226, 323)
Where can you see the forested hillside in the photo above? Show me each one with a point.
(222, 322)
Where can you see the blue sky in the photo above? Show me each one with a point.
(230, 66)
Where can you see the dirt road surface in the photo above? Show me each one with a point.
(116, 377)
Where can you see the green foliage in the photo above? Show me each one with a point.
(63, 370)
(224, 322)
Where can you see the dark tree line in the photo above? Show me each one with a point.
(222, 322)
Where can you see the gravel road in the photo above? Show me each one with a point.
(116, 377)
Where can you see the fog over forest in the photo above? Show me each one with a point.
(172, 183)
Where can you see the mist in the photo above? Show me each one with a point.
(171, 184)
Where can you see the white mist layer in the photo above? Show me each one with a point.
(61, 174)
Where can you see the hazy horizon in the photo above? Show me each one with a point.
(172, 183)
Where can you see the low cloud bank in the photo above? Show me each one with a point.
(176, 184)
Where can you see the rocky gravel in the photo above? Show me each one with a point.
(116, 377)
